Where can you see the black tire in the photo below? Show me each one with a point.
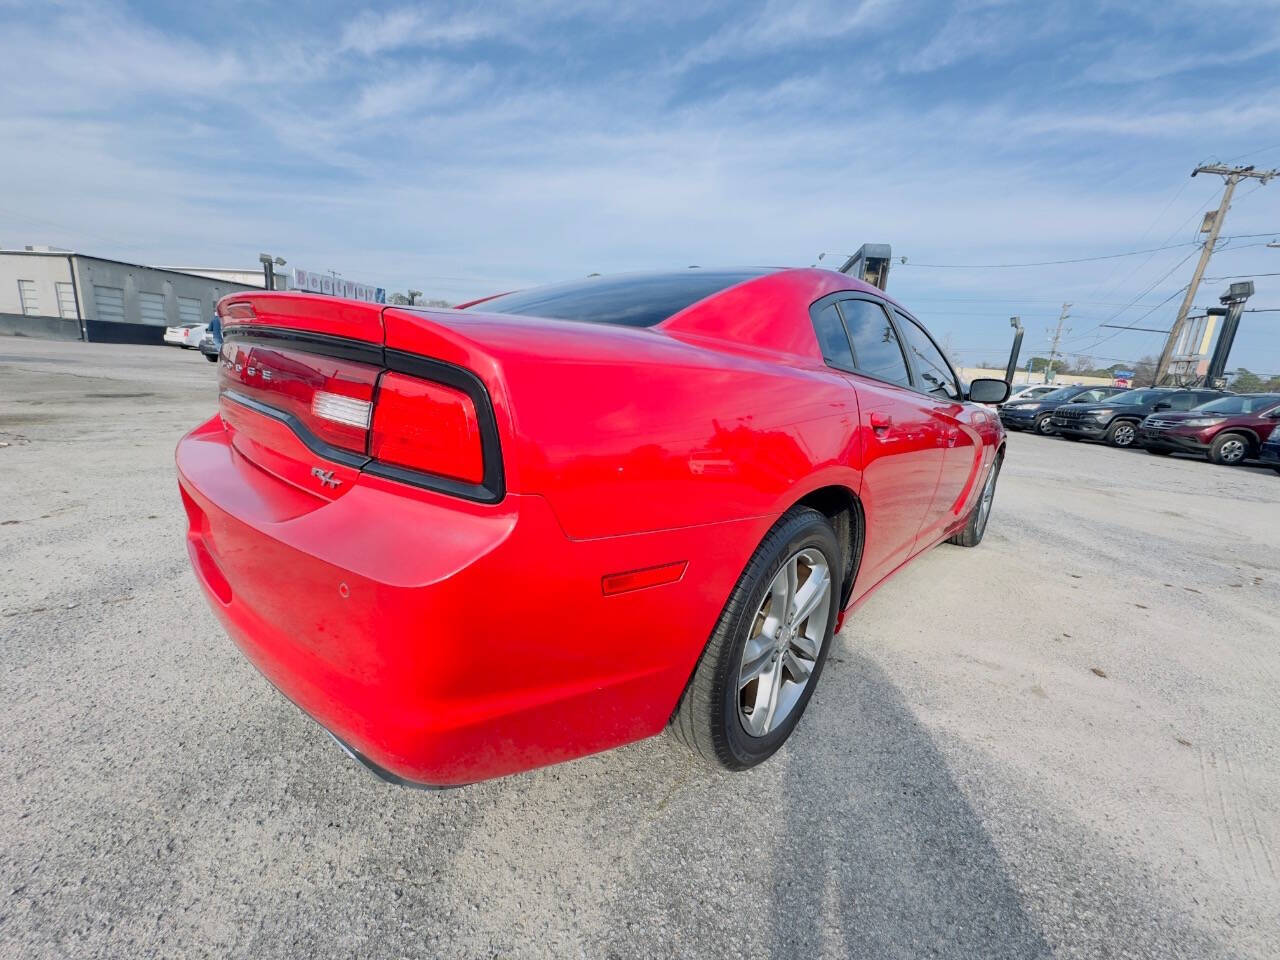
(1044, 425)
(1229, 449)
(211, 357)
(1122, 433)
(1159, 451)
(975, 527)
(706, 720)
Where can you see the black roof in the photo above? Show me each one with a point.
(628, 299)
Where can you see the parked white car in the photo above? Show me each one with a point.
(185, 335)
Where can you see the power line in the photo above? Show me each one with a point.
(1041, 263)
(1109, 256)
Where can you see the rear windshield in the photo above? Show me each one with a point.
(629, 300)
(1245, 404)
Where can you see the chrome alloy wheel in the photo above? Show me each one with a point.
(1232, 451)
(1124, 434)
(786, 637)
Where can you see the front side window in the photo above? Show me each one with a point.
(1135, 398)
(832, 339)
(1243, 404)
(935, 373)
(1184, 401)
(876, 351)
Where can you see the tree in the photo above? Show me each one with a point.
(1144, 371)
(1246, 382)
(1038, 365)
(398, 299)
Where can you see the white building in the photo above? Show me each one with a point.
(60, 294)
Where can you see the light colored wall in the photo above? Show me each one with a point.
(1020, 378)
(43, 270)
(248, 277)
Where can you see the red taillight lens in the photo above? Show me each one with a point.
(427, 426)
(332, 398)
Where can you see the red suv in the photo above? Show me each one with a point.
(1228, 430)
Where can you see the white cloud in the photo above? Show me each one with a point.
(792, 23)
(414, 27)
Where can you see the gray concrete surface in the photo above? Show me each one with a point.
(1063, 743)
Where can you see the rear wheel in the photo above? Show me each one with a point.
(974, 529)
(766, 653)
(1044, 425)
(1229, 449)
(1122, 433)
(211, 357)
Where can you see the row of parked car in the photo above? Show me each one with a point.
(1228, 428)
(205, 337)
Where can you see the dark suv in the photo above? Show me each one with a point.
(1229, 430)
(1036, 414)
(1116, 419)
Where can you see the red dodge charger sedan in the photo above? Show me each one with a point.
(471, 542)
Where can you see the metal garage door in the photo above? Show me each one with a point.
(189, 310)
(109, 302)
(67, 301)
(27, 296)
(151, 308)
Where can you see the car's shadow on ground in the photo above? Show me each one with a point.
(854, 841)
(882, 834)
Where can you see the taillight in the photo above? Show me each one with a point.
(332, 399)
(427, 426)
(431, 427)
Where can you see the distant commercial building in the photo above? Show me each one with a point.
(64, 295)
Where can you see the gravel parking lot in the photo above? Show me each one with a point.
(1063, 743)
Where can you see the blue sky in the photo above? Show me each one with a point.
(467, 148)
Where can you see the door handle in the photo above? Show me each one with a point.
(880, 422)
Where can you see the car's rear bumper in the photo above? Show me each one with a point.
(444, 641)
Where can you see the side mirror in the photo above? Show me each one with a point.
(988, 390)
(1080, 400)
(1163, 405)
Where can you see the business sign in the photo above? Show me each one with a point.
(1122, 378)
(332, 286)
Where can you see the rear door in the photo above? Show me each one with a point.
(901, 448)
(960, 441)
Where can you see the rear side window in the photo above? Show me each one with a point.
(832, 339)
(1184, 401)
(876, 351)
(629, 300)
(935, 373)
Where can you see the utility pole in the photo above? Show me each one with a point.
(1231, 176)
(1057, 335)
